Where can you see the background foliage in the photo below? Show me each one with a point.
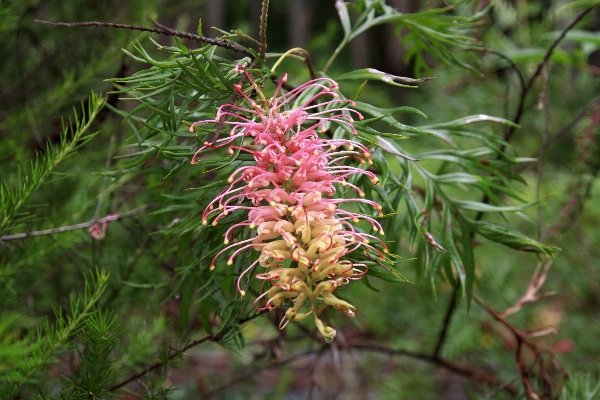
(137, 312)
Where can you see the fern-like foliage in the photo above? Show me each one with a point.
(75, 133)
(431, 32)
(45, 344)
(100, 336)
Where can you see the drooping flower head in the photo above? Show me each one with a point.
(292, 194)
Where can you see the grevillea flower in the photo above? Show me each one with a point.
(290, 195)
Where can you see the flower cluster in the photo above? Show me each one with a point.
(289, 194)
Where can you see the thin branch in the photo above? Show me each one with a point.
(445, 326)
(570, 125)
(263, 28)
(521, 107)
(449, 365)
(215, 337)
(68, 228)
(300, 54)
(531, 293)
(241, 378)
(504, 57)
(161, 31)
(539, 69)
(522, 343)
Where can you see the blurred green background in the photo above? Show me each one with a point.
(46, 71)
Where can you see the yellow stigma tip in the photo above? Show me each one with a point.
(381, 232)
(204, 222)
(226, 241)
(252, 226)
(214, 223)
(243, 293)
(212, 267)
(229, 262)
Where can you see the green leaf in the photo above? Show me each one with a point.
(510, 237)
(460, 122)
(390, 147)
(199, 28)
(358, 91)
(372, 74)
(344, 17)
(484, 207)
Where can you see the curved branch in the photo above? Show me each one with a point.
(449, 365)
(215, 337)
(539, 69)
(83, 225)
(445, 326)
(504, 57)
(161, 31)
(241, 378)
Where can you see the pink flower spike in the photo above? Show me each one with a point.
(287, 186)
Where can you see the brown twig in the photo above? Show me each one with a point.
(521, 107)
(263, 28)
(570, 125)
(531, 295)
(539, 69)
(241, 378)
(504, 57)
(585, 169)
(215, 337)
(161, 31)
(446, 364)
(445, 326)
(68, 228)
(547, 390)
(449, 365)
